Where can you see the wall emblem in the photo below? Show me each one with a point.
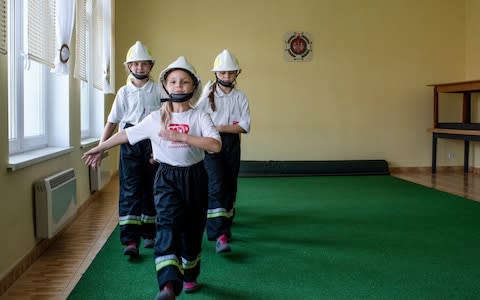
(298, 46)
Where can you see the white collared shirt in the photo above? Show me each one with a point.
(132, 104)
(232, 108)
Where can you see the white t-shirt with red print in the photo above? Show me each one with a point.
(193, 122)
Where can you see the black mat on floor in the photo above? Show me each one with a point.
(313, 168)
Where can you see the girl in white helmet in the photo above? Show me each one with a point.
(229, 109)
(180, 135)
(133, 102)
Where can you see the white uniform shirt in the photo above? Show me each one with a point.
(132, 104)
(231, 108)
(193, 122)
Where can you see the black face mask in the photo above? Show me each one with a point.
(139, 77)
(178, 97)
(225, 83)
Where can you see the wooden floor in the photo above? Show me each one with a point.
(453, 181)
(55, 273)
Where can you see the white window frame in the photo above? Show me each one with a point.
(92, 112)
(52, 107)
(92, 90)
(18, 70)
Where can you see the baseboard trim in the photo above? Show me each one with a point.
(313, 168)
(24, 263)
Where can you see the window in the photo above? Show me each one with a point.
(92, 111)
(38, 106)
(92, 65)
(27, 124)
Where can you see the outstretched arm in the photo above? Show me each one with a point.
(91, 155)
(96, 160)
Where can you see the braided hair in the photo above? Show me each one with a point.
(211, 96)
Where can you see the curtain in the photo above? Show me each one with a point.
(40, 33)
(81, 41)
(65, 18)
(102, 28)
(98, 44)
(107, 47)
(3, 27)
(94, 35)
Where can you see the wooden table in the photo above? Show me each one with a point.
(465, 130)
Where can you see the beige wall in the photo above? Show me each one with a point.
(473, 61)
(363, 96)
(473, 40)
(16, 188)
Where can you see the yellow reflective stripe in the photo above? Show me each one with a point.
(170, 262)
(216, 215)
(219, 212)
(148, 219)
(129, 217)
(130, 222)
(190, 264)
(136, 220)
(167, 260)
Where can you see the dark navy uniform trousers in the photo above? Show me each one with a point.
(222, 169)
(181, 204)
(136, 203)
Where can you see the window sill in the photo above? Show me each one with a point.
(89, 143)
(22, 160)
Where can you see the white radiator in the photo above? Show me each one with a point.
(55, 202)
(99, 176)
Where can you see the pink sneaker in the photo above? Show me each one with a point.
(222, 244)
(190, 287)
(166, 293)
(131, 249)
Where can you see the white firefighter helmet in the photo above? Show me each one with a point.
(225, 61)
(182, 63)
(138, 52)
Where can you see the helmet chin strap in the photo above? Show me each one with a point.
(226, 83)
(139, 77)
(180, 97)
